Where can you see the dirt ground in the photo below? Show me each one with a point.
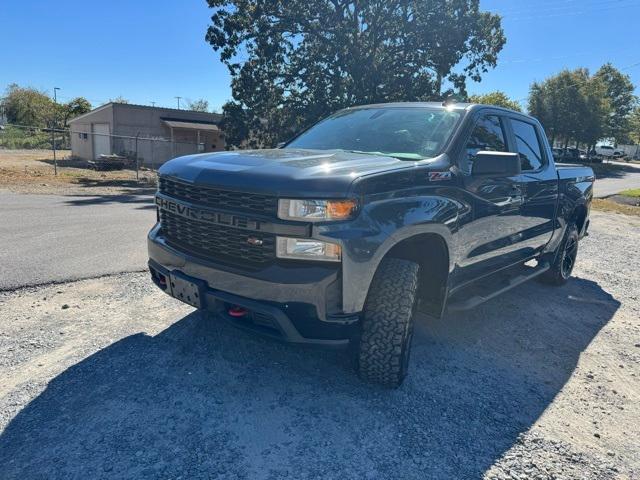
(110, 378)
(616, 205)
(32, 171)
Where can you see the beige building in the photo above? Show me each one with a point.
(162, 133)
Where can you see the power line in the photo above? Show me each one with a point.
(577, 13)
(556, 57)
(556, 6)
(539, 5)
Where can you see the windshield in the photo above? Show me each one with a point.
(403, 132)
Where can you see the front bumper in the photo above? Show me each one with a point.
(301, 300)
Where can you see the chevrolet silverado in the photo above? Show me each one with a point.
(340, 235)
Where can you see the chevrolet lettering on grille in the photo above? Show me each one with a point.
(207, 216)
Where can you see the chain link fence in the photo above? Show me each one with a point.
(103, 151)
(18, 137)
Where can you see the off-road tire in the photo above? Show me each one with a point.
(383, 348)
(565, 259)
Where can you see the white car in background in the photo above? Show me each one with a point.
(605, 151)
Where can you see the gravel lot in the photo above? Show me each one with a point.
(110, 378)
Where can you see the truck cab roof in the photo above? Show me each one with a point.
(453, 106)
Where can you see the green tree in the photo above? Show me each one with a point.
(594, 111)
(294, 62)
(119, 99)
(575, 106)
(73, 108)
(200, 105)
(558, 103)
(236, 124)
(619, 92)
(27, 106)
(497, 98)
(634, 122)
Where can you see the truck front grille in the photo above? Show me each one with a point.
(217, 242)
(266, 205)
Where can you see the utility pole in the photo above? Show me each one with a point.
(178, 102)
(137, 161)
(153, 104)
(53, 130)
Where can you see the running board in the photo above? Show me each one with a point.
(468, 303)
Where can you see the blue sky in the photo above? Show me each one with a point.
(152, 51)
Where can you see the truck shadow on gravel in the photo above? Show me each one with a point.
(204, 400)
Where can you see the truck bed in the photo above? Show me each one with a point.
(577, 172)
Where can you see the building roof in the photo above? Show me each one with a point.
(216, 117)
(101, 107)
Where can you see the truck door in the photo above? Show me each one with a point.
(490, 228)
(539, 183)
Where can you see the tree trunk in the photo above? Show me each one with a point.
(439, 86)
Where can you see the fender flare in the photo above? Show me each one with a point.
(364, 282)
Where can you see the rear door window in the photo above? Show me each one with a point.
(488, 135)
(528, 145)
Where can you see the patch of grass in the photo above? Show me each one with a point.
(606, 205)
(634, 192)
(31, 139)
(16, 138)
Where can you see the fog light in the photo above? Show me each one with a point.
(308, 249)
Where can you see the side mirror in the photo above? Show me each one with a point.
(281, 144)
(505, 164)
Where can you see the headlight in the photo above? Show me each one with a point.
(307, 249)
(316, 210)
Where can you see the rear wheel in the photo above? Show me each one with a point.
(383, 349)
(565, 259)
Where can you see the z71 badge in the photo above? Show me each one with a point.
(439, 176)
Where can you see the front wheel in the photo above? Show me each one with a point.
(384, 346)
(565, 259)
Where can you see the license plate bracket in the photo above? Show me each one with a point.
(187, 289)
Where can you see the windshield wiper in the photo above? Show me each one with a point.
(399, 156)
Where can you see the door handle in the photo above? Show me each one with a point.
(514, 201)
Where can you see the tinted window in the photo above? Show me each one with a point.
(488, 135)
(405, 132)
(528, 145)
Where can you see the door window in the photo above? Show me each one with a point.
(488, 135)
(528, 145)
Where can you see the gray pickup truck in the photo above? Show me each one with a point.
(340, 235)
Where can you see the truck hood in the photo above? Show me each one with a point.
(281, 171)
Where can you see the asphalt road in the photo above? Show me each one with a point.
(626, 179)
(51, 238)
